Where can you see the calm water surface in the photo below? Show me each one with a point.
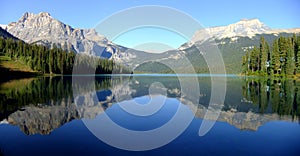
(53, 116)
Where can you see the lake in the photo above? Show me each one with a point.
(150, 115)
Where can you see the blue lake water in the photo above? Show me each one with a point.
(65, 116)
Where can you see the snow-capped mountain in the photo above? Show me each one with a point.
(233, 41)
(44, 29)
(243, 28)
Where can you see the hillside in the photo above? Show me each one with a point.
(12, 69)
(19, 59)
(5, 34)
(233, 42)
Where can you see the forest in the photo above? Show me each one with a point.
(56, 61)
(282, 58)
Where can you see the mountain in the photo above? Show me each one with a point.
(243, 28)
(43, 29)
(232, 40)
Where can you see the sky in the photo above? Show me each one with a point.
(88, 13)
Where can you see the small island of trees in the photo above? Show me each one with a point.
(281, 59)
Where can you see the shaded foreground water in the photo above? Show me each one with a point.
(41, 116)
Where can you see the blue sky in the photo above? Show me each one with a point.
(88, 13)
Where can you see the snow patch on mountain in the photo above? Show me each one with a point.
(3, 26)
(242, 28)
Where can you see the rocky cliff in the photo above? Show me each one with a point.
(43, 29)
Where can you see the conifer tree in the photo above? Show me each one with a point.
(263, 55)
(275, 58)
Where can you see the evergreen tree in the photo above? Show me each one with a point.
(263, 55)
(254, 59)
(275, 59)
(282, 45)
(297, 53)
(245, 63)
(268, 65)
(290, 59)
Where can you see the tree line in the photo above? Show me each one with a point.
(282, 58)
(55, 60)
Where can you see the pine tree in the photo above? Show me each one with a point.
(297, 53)
(282, 45)
(263, 56)
(275, 59)
(268, 58)
(51, 55)
(2, 45)
(245, 63)
(290, 62)
(254, 59)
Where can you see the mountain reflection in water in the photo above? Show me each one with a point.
(44, 104)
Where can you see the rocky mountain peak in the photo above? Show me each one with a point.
(242, 28)
(34, 27)
(26, 15)
(29, 16)
(43, 29)
(250, 21)
(44, 14)
(254, 24)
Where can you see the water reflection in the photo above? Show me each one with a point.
(43, 104)
(273, 95)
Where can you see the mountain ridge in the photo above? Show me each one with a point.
(43, 29)
(243, 28)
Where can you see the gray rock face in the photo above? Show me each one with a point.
(43, 29)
